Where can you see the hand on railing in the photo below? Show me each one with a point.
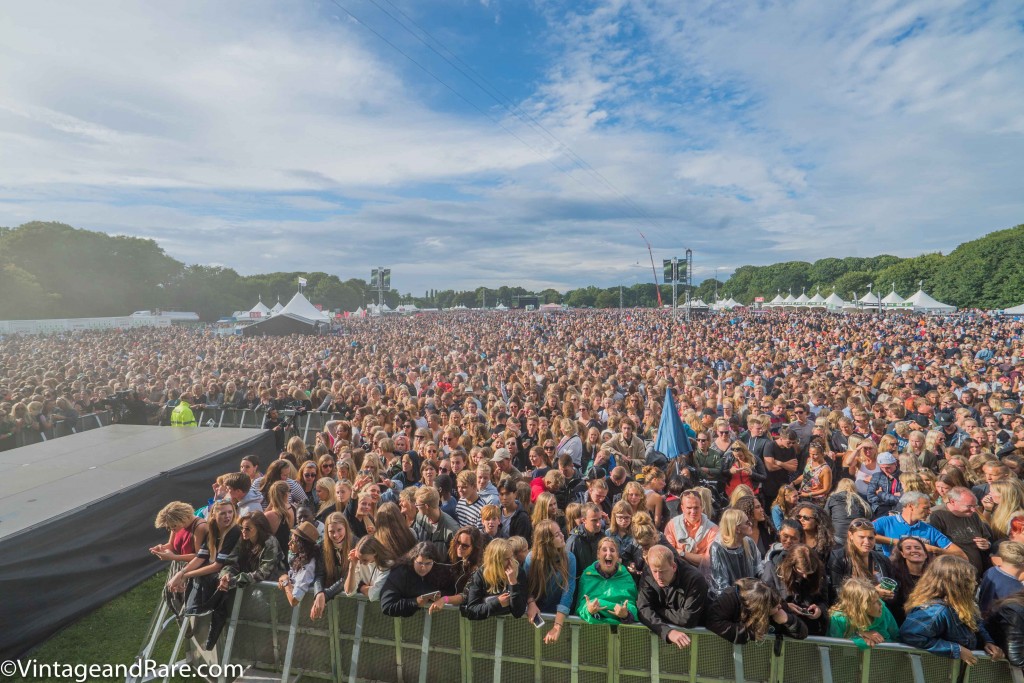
(679, 639)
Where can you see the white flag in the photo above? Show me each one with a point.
(302, 281)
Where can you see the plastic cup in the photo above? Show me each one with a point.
(888, 584)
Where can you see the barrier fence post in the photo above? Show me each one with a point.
(574, 654)
(466, 647)
(538, 653)
(177, 648)
(917, 669)
(865, 666)
(335, 639)
(826, 664)
(425, 648)
(358, 636)
(694, 649)
(290, 647)
(273, 632)
(499, 647)
(656, 658)
(739, 675)
(398, 649)
(229, 641)
(613, 655)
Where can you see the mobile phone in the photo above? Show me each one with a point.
(538, 620)
(432, 596)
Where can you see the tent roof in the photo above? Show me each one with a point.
(869, 298)
(789, 298)
(1016, 310)
(777, 300)
(835, 300)
(300, 307)
(817, 298)
(802, 298)
(893, 298)
(925, 302)
(260, 308)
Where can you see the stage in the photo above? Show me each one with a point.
(76, 515)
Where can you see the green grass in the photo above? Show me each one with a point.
(112, 634)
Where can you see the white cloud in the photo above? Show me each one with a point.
(265, 138)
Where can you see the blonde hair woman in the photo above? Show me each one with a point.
(942, 614)
(733, 554)
(499, 577)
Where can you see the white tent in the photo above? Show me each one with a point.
(893, 299)
(260, 308)
(802, 299)
(777, 301)
(835, 301)
(816, 299)
(501, 307)
(300, 307)
(923, 302)
(869, 299)
(277, 307)
(789, 299)
(698, 303)
(733, 303)
(1016, 310)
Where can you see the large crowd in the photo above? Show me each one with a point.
(853, 476)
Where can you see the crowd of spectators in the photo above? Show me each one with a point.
(855, 476)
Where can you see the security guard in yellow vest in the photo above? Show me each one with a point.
(182, 415)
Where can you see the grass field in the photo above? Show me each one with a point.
(112, 634)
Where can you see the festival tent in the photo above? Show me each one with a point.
(277, 307)
(672, 439)
(924, 303)
(501, 307)
(1016, 310)
(297, 317)
(869, 299)
(835, 301)
(802, 299)
(777, 301)
(893, 299)
(260, 308)
(789, 299)
(816, 299)
(733, 303)
(698, 303)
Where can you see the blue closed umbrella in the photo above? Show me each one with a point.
(672, 439)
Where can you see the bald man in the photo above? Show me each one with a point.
(671, 597)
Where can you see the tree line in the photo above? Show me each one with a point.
(53, 270)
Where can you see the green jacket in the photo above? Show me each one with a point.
(609, 592)
(884, 625)
(182, 416)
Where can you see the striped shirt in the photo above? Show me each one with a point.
(468, 514)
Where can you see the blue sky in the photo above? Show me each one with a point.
(467, 143)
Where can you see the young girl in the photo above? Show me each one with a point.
(782, 506)
(334, 568)
(861, 616)
(498, 586)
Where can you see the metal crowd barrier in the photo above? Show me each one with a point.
(355, 642)
(307, 424)
(28, 437)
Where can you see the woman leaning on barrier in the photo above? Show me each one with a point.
(749, 610)
(942, 615)
(498, 587)
(199, 577)
(331, 573)
(550, 577)
(861, 616)
(804, 587)
(368, 566)
(607, 592)
(417, 581)
(187, 536)
(256, 557)
(303, 558)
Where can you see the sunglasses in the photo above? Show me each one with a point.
(549, 448)
(805, 518)
(463, 545)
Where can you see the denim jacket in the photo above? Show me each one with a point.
(936, 628)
